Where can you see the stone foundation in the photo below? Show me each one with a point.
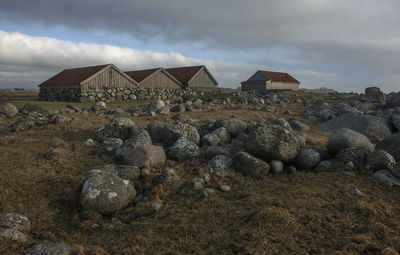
(76, 94)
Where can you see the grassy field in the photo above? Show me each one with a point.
(300, 213)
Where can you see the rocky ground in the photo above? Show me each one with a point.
(289, 173)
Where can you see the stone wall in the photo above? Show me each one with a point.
(75, 94)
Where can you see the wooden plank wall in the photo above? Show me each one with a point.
(202, 80)
(159, 80)
(108, 78)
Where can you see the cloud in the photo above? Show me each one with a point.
(358, 39)
(26, 61)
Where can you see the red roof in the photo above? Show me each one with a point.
(280, 77)
(141, 74)
(70, 77)
(184, 74)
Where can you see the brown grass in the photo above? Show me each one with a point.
(302, 213)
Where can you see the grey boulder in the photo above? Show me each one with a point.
(117, 128)
(105, 193)
(251, 166)
(49, 248)
(272, 143)
(391, 145)
(233, 125)
(183, 149)
(9, 110)
(221, 165)
(347, 138)
(172, 132)
(307, 159)
(379, 160)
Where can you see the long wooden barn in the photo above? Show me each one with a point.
(264, 81)
(66, 85)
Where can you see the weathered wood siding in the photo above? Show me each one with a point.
(159, 80)
(260, 86)
(202, 79)
(282, 85)
(258, 76)
(109, 77)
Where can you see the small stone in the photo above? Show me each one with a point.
(88, 143)
(276, 166)
(291, 169)
(95, 225)
(347, 173)
(197, 185)
(224, 188)
(156, 206)
(355, 191)
(12, 234)
(206, 177)
(144, 172)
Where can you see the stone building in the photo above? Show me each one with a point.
(267, 81)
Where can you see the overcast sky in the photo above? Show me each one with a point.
(341, 44)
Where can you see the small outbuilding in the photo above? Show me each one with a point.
(155, 78)
(70, 84)
(193, 76)
(267, 81)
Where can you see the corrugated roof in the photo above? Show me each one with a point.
(184, 74)
(140, 75)
(280, 77)
(75, 76)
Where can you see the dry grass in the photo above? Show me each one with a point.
(302, 213)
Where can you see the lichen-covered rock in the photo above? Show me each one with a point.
(13, 234)
(183, 149)
(391, 146)
(272, 143)
(15, 221)
(248, 165)
(218, 136)
(233, 125)
(281, 122)
(323, 166)
(155, 129)
(126, 172)
(307, 159)
(298, 125)
(117, 128)
(105, 193)
(9, 110)
(171, 133)
(109, 146)
(355, 156)
(170, 178)
(379, 160)
(213, 151)
(155, 105)
(100, 106)
(145, 156)
(132, 143)
(221, 165)
(49, 248)
(347, 138)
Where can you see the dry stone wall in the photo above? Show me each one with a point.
(75, 94)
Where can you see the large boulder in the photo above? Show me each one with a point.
(9, 110)
(373, 95)
(307, 159)
(233, 125)
(391, 145)
(109, 146)
(379, 160)
(49, 248)
(345, 138)
(132, 143)
(130, 173)
(272, 143)
(221, 165)
(218, 136)
(213, 151)
(117, 128)
(368, 125)
(155, 129)
(145, 156)
(283, 123)
(155, 105)
(183, 149)
(171, 133)
(251, 166)
(356, 157)
(105, 193)
(387, 177)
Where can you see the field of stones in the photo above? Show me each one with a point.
(288, 173)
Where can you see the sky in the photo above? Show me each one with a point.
(340, 44)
